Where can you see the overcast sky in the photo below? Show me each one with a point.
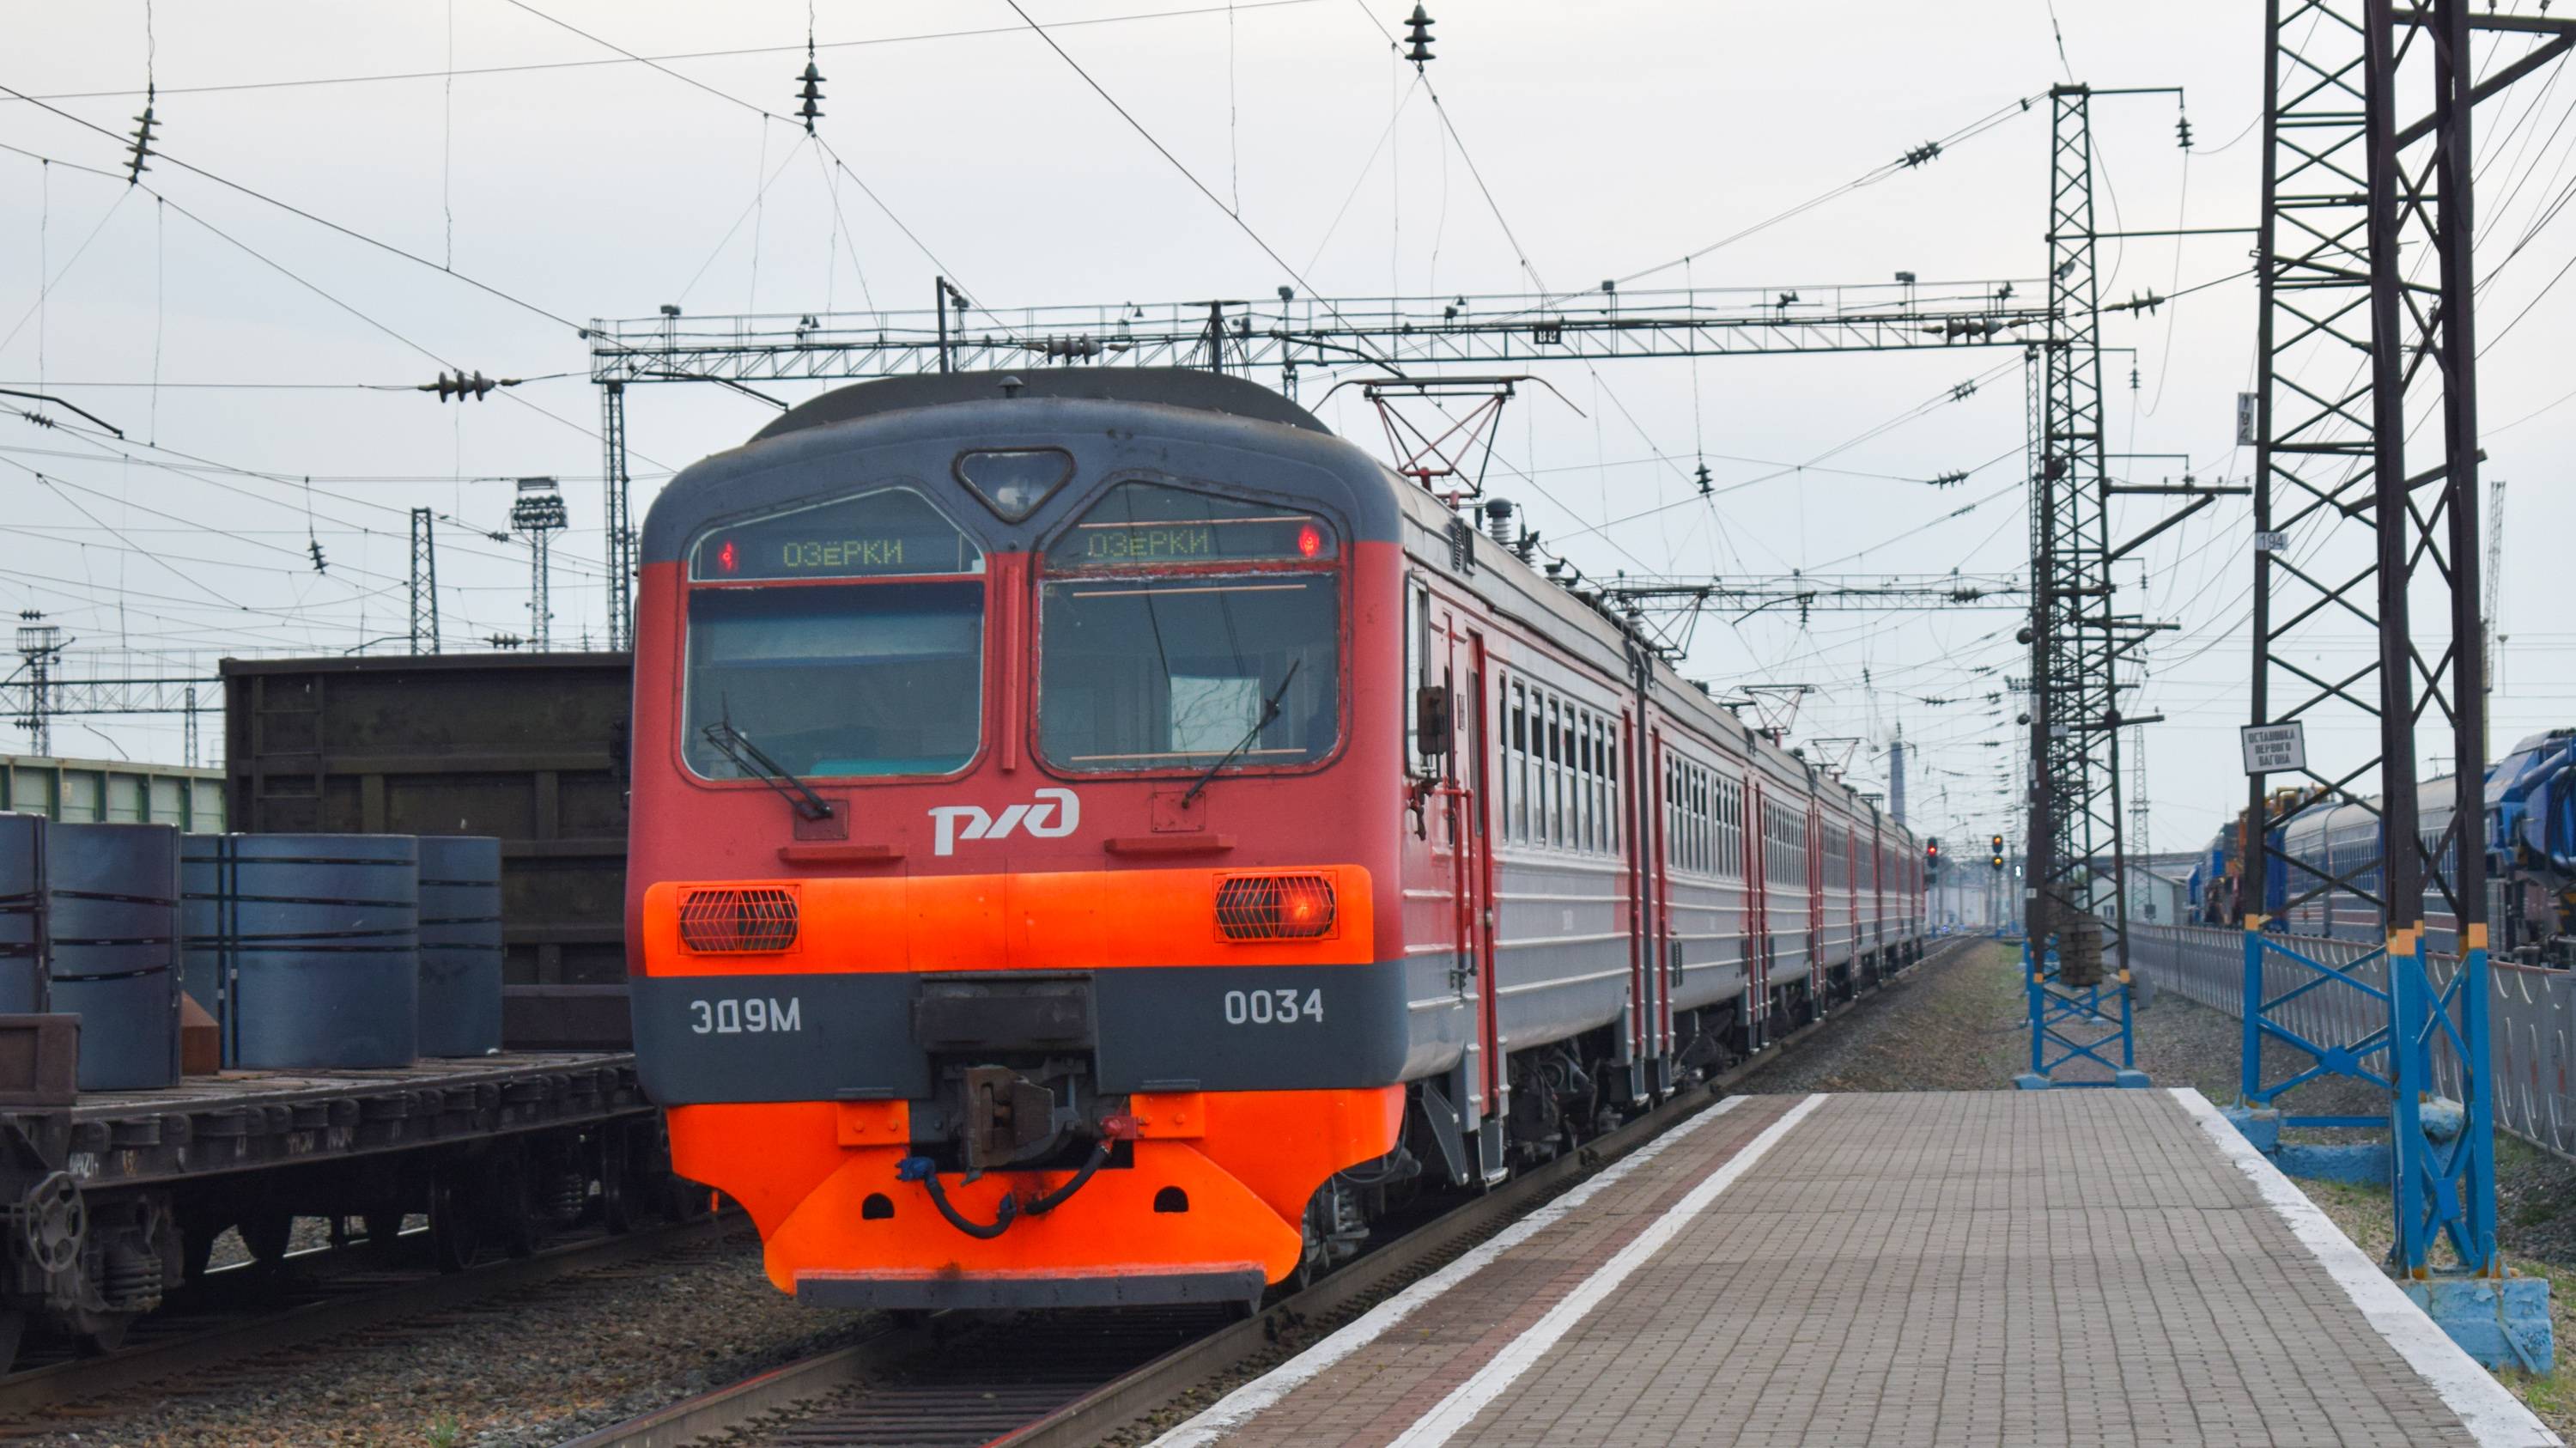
(494, 138)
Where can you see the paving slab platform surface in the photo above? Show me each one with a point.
(2000, 1268)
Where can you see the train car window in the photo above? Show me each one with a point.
(1145, 674)
(1578, 825)
(1587, 777)
(839, 681)
(1610, 786)
(891, 532)
(1730, 830)
(1175, 626)
(1516, 769)
(1417, 667)
(1556, 793)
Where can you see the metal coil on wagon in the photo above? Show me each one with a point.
(309, 946)
(460, 945)
(22, 913)
(112, 949)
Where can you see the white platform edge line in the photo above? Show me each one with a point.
(2490, 1411)
(1239, 1406)
(1452, 1414)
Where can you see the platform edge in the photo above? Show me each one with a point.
(2489, 1410)
(1224, 1415)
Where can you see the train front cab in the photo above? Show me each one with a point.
(1073, 994)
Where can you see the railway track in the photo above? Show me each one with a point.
(1045, 1381)
(325, 1294)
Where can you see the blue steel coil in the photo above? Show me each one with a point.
(309, 946)
(22, 913)
(112, 949)
(460, 945)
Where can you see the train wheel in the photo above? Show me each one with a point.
(196, 1249)
(384, 1230)
(512, 1208)
(454, 1235)
(619, 1205)
(267, 1233)
(96, 1334)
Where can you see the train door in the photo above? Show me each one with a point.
(1757, 914)
(1650, 983)
(1817, 995)
(1471, 823)
(1661, 951)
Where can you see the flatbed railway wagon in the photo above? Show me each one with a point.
(114, 1199)
(1098, 838)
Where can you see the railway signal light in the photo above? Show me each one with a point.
(1998, 858)
(1932, 859)
(1417, 34)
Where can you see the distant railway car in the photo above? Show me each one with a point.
(2531, 847)
(2333, 890)
(1099, 838)
(2330, 883)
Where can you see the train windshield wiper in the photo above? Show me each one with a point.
(1269, 711)
(750, 759)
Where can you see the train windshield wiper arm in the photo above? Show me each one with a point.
(1269, 711)
(750, 759)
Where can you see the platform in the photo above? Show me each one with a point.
(1917, 1271)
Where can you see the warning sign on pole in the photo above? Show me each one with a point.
(2274, 748)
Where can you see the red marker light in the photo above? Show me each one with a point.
(725, 557)
(1309, 541)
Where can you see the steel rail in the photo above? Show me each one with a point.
(1128, 1396)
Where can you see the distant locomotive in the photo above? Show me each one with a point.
(1100, 839)
(2527, 831)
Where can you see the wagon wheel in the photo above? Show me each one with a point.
(267, 1233)
(619, 1208)
(384, 1230)
(454, 1233)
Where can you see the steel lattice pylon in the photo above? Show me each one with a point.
(424, 582)
(621, 529)
(2073, 897)
(2367, 334)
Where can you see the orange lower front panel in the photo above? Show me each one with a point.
(1230, 1173)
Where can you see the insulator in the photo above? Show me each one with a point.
(1705, 487)
(2182, 131)
(812, 95)
(1418, 36)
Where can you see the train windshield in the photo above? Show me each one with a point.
(837, 682)
(826, 669)
(1179, 628)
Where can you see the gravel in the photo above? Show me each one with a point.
(533, 1366)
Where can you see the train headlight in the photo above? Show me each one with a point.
(738, 920)
(1275, 907)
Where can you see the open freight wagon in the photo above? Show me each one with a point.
(530, 748)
